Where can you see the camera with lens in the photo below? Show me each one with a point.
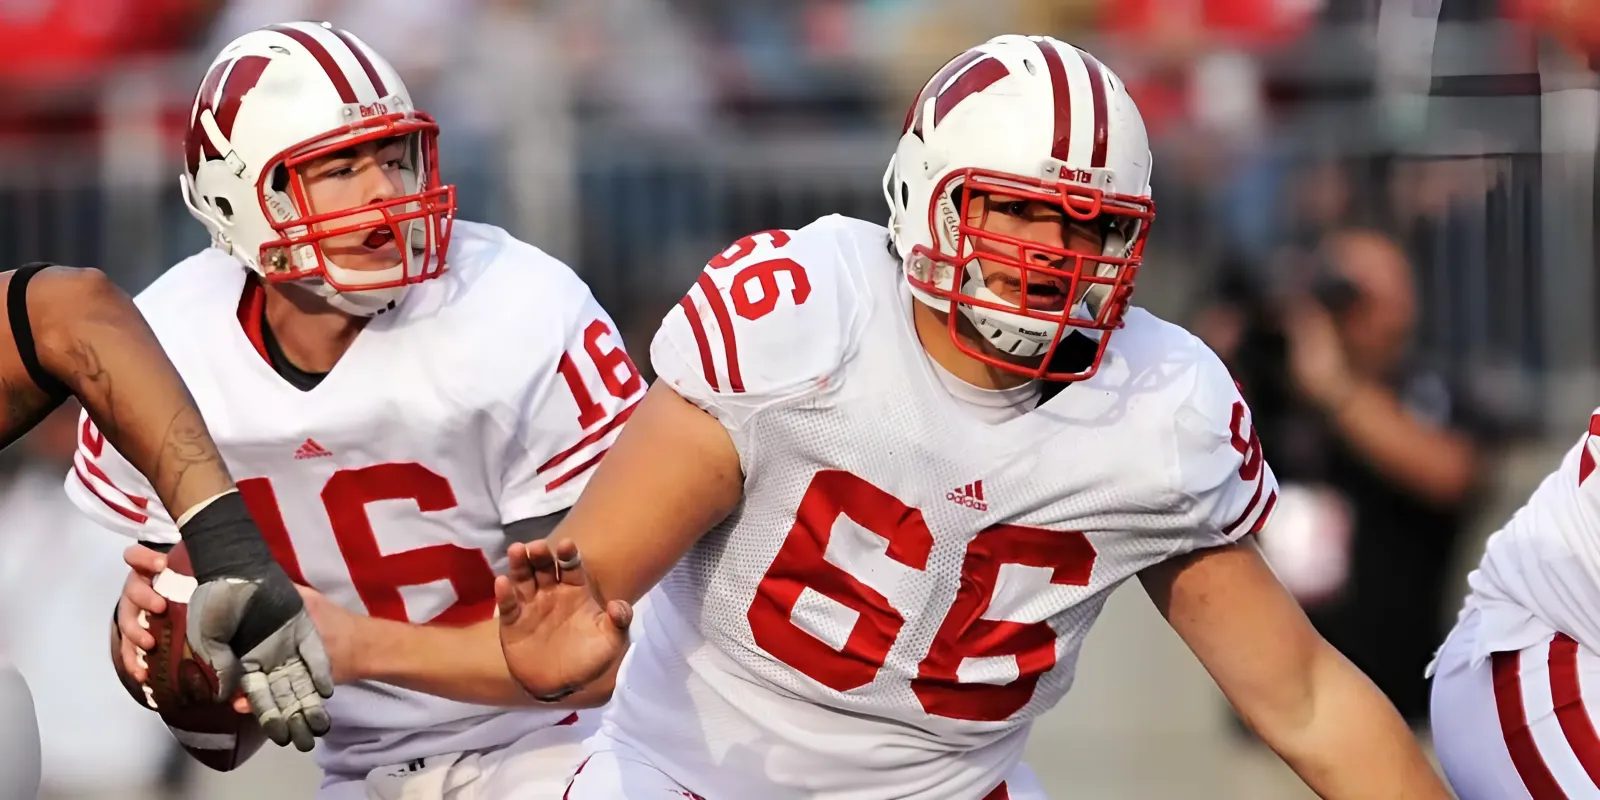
(1261, 363)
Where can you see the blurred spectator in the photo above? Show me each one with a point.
(1378, 457)
(75, 70)
(1575, 23)
(636, 64)
(59, 51)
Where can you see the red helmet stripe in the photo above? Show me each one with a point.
(366, 63)
(1061, 142)
(242, 75)
(981, 76)
(196, 139)
(1097, 92)
(914, 114)
(241, 79)
(323, 57)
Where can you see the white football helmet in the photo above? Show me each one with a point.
(279, 97)
(1033, 118)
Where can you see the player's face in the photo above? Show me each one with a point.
(1031, 221)
(357, 176)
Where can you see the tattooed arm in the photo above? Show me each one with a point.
(86, 337)
(89, 335)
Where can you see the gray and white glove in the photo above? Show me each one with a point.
(248, 622)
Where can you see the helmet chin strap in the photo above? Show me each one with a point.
(1018, 334)
(361, 302)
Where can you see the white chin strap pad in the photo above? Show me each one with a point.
(362, 302)
(1014, 334)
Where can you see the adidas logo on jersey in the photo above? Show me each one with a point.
(311, 450)
(970, 496)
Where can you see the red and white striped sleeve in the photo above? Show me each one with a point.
(770, 317)
(568, 414)
(1221, 465)
(104, 486)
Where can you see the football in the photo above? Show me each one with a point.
(180, 687)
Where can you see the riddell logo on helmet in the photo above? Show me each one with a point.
(1076, 175)
(373, 110)
(970, 496)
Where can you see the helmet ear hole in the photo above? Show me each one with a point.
(223, 206)
(905, 194)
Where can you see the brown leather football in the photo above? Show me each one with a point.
(180, 687)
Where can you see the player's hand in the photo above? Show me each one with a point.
(284, 673)
(337, 626)
(1317, 361)
(558, 634)
(248, 622)
(138, 598)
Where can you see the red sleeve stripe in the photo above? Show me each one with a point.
(700, 342)
(576, 471)
(595, 436)
(134, 516)
(1250, 509)
(719, 309)
(1266, 512)
(94, 469)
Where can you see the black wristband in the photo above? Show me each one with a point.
(223, 541)
(22, 331)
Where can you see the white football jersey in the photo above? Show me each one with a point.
(1540, 574)
(487, 397)
(905, 587)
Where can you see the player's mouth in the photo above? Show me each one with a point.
(380, 241)
(1045, 293)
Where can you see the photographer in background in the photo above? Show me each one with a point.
(1375, 455)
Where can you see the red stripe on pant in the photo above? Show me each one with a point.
(1566, 694)
(567, 795)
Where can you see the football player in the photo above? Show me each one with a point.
(73, 333)
(1510, 711)
(401, 393)
(893, 475)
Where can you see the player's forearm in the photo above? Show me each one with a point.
(91, 337)
(1345, 739)
(1437, 464)
(684, 461)
(463, 664)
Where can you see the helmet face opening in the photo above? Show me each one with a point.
(1029, 261)
(1019, 198)
(418, 221)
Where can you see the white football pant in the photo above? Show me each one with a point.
(535, 767)
(1517, 726)
(613, 771)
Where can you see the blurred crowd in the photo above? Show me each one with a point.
(1380, 212)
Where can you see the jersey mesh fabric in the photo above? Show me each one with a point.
(1101, 466)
